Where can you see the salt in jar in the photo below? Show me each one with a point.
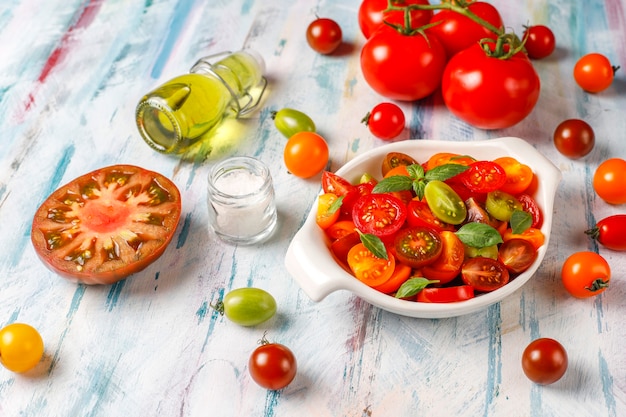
(242, 208)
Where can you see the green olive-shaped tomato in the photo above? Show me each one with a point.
(247, 306)
(290, 121)
(501, 205)
(444, 202)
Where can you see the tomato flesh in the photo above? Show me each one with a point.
(484, 274)
(379, 214)
(417, 246)
(106, 225)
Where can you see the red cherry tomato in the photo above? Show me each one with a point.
(420, 214)
(402, 67)
(594, 72)
(372, 14)
(610, 232)
(379, 214)
(574, 138)
(609, 179)
(107, 224)
(272, 365)
(341, 247)
(386, 121)
(539, 41)
(457, 32)
(544, 361)
(417, 246)
(585, 274)
(488, 92)
(517, 255)
(445, 294)
(484, 274)
(324, 35)
(333, 183)
(530, 206)
(483, 177)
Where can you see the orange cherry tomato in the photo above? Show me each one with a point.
(399, 170)
(448, 264)
(532, 234)
(368, 268)
(585, 274)
(400, 274)
(594, 72)
(305, 154)
(443, 158)
(340, 228)
(609, 181)
(518, 176)
(326, 215)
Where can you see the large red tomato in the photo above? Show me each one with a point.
(488, 92)
(458, 32)
(372, 15)
(402, 67)
(107, 224)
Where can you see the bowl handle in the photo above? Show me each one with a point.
(316, 280)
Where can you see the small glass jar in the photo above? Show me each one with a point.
(242, 208)
(176, 115)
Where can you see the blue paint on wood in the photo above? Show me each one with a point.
(184, 231)
(114, 294)
(494, 357)
(607, 385)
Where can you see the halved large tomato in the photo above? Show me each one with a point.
(107, 224)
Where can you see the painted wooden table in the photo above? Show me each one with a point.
(71, 74)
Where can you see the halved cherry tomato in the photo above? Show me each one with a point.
(517, 255)
(443, 158)
(394, 159)
(379, 214)
(399, 170)
(530, 206)
(445, 203)
(420, 214)
(518, 176)
(483, 176)
(341, 247)
(417, 246)
(400, 274)
(501, 205)
(448, 265)
(333, 183)
(445, 294)
(326, 214)
(107, 224)
(477, 213)
(368, 268)
(484, 274)
(532, 234)
(340, 228)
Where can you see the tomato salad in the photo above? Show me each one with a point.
(441, 230)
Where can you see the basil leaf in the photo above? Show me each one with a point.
(393, 183)
(412, 286)
(374, 245)
(336, 205)
(445, 172)
(520, 221)
(416, 171)
(478, 235)
(418, 189)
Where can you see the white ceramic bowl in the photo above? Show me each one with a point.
(311, 264)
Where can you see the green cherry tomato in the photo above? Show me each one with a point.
(21, 347)
(501, 205)
(444, 202)
(486, 252)
(290, 121)
(247, 306)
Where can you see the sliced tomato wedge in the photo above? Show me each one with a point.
(333, 183)
(420, 214)
(341, 247)
(530, 205)
(484, 274)
(445, 294)
(379, 214)
(448, 265)
(400, 274)
(107, 224)
(340, 228)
